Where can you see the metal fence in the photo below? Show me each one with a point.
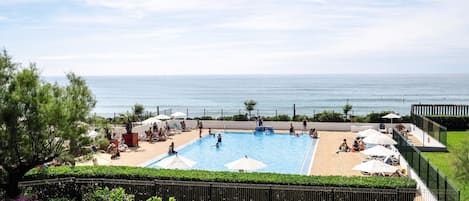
(210, 191)
(438, 183)
(219, 112)
(440, 110)
(432, 128)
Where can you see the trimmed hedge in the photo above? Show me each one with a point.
(125, 172)
(452, 123)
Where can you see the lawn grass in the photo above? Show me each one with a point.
(444, 161)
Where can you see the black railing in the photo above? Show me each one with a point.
(73, 188)
(438, 183)
(440, 110)
(430, 127)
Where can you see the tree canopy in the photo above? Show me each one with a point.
(37, 117)
(250, 104)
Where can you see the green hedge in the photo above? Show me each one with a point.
(125, 172)
(452, 123)
(280, 117)
(329, 116)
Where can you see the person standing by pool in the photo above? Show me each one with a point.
(167, 127)
(261, 123)
(201, 126)
(292, 129)
(219, 138)
(305, 124)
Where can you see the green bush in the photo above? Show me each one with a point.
(240, 117)
(104, 194)
(301, 117)
(377, 117)
(280, 117)
(452, 123)
(206, 118)
(329, 116)
(360, 119)
(226, 118)
(103, 143)
(137, 173)
(156, 198)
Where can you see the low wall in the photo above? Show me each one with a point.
(277, 125)
(283, 125)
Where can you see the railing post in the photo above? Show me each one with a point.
(397, 194)
(420, 159)
(270, 193)
(428, 171)
(155, 190)
(438, 183)
(446, 188)
(210, 194)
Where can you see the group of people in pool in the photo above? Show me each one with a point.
(313, 133)
(217, 145)
(172, 150)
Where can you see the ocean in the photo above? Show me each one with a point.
(217, 95)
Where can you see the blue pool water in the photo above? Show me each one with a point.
(282, 153)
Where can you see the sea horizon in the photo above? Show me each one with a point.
(208, 95)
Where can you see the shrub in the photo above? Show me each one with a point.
(377, 117)
(452, 123)
(240, 117)
(329, 116)
(103, 143)
(301, 117)
(156, 198)
(104, 194)
(281, 117)
(360, 119)
(117, 172)
(226, 118)
(206, 118)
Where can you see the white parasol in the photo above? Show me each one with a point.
(179, 115)
(375, 166)
(379, 139)
(162, 117)
(391, 116)
(378, 150)
(367, 132)
(176, 162)
(151, 121)
(245, 163)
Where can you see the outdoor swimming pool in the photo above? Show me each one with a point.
(282, 153)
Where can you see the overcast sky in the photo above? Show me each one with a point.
(156, 37)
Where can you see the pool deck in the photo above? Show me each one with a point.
(326, 161)
(329, 162)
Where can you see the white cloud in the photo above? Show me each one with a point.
(216, 36)
(97, 19)
(276, 21)
(430, 30)
(162, 5)
(3, 18)
(16, 2)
